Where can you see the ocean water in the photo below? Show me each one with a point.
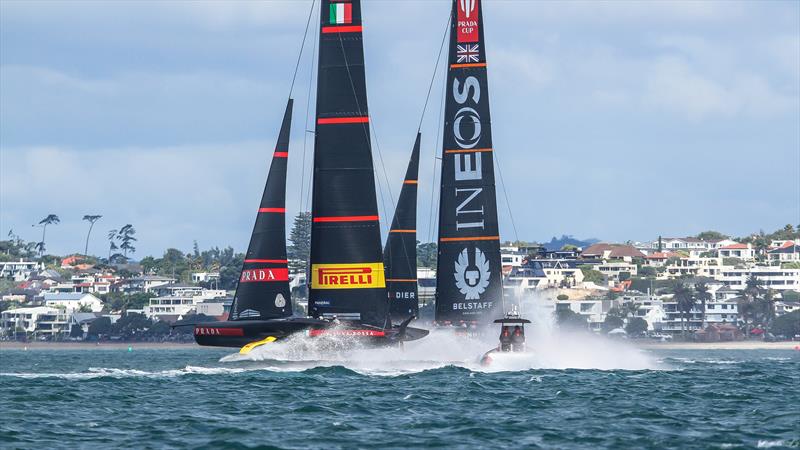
(567, 393)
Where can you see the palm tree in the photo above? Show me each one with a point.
(684, 297)
(91, 219)
(702, 294)
(748, 306)
(50, 219)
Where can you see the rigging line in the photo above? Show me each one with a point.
(433, 185)
(365, 127)
(505, 194)
(304, 199)
(435, 71)
(302, 45)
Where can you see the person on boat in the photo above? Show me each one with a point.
(517, 339)
(505, 340)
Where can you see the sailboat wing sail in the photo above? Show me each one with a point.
(347, 273)
(468, 272)
(263, 289)
(400, 254)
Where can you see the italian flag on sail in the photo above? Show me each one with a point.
(341, 13)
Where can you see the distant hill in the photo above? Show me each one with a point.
(559, 243)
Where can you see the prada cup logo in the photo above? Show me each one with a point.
(467, 6)
(280, 302)
(472, 281)
(471, 117)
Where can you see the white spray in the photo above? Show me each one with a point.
(548, 348)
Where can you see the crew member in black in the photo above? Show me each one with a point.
(505, 340)
(518, 339)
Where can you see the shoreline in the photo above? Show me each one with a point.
(735, 345)
(12, 345)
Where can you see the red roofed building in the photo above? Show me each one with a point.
(741, 251)
(612, 251)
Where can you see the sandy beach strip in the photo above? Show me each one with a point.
(10, 345)
(735, 345)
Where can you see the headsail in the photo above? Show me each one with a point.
(468, 272)
(400, 254)
(347, 273)
(263, 289)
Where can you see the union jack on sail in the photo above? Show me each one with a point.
(467, 53)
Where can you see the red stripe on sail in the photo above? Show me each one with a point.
(346, 219)
(272, 210)
(281, 154)
(267, 261)
(347, 29)
(335, 120)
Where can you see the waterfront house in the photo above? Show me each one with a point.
(71, 302)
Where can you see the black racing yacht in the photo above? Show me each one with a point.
(347, 286)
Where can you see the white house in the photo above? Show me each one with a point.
(769, 277)
(788, 252)
(18, 270)
(202, 277)
(73, 301)
(181, 301)
(43, 320)
(742, 251)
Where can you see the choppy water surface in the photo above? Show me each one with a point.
(423, 396)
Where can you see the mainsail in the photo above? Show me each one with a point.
(400, 254)
(263, 289)
(468, 275)
(347, 273)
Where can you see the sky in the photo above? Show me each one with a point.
(612, 120)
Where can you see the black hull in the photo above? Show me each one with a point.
(239, 333)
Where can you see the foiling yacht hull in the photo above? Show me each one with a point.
(240, 333)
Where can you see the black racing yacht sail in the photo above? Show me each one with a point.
(263, 289)
(468, 275)
(347, 275)
(400, 253)
(262, 306)
(347, 294)
(348, 282)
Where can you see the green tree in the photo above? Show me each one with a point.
(299, 251)
(647, 271)
(712, 236)
(562, 297)
(787, 325)
(99, 327)
(685, 300)
(591, 275)
(127, 239)
(702, 294)
(91, 219)
(76, 331)
(612, 322)
(131, 326)
(636, 326)
(51, 219)
(427, 254)
(569, 319)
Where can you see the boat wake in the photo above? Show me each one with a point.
(546, 350)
